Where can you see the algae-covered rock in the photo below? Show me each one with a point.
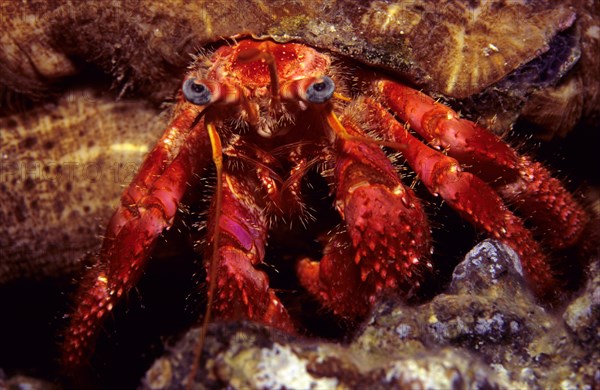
(582, 316)
(246, 355)
(486, 331)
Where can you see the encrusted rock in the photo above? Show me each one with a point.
(583, 314)
(582, 318)
(486, 331)
(246, 355)
(19, 382)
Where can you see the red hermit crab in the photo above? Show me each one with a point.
(265, 114)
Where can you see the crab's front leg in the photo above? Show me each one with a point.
(148, 206)
(242, 291)
(384, 243)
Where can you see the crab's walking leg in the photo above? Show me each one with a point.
(536, 194)
(147, 208)
(237, 231)
(470, 196)
(385, 244)
(242, 291)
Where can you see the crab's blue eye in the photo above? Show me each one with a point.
(321, 91)
(196, 93)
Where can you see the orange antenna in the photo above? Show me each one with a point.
(341, 132)
(217, 157)
(264, 53)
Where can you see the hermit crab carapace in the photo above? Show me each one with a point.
(265, 114)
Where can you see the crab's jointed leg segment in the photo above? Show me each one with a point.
(560, 220)
(153, 167)
(147, 208)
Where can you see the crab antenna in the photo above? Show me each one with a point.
(267, 56)
(273, 73)
(340, 131)
(217, 156)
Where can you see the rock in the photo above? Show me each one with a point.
(582, 318)
(19, 382)
(246, 355)
(485, 331)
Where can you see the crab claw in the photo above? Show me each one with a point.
(385, 242)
